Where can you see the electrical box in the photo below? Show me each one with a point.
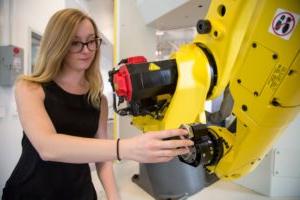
(11, 64)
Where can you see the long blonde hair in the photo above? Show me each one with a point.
(54, 47)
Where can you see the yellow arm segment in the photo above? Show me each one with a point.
(263, 70)
(264, 73)
(187, 102)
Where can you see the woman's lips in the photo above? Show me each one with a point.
(84, 59)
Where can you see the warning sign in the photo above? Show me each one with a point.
(284, 23)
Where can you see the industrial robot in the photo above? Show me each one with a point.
(253, 47)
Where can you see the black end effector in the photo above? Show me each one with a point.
(207, 149)
(139, 84)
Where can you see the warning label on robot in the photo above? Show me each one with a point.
(284, 23)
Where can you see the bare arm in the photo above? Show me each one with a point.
(65, 148)
(42, 134)
(105, 169)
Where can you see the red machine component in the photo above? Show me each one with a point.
(136, 85)
(122, 83)
(122, 79)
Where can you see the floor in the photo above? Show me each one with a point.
(220, 190)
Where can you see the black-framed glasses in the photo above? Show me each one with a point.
(92, 45)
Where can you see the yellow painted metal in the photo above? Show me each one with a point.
(264, 79)
(230, 21)
(153, 67)
(263, 69)
(190, 95)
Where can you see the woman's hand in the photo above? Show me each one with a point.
(153, 147)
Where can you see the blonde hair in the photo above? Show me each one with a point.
(54, 47)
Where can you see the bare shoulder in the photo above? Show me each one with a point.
(24, 88)
(103, 99)
(103, 103)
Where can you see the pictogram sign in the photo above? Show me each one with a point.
(284, 23)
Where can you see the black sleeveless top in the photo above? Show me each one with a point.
(35, 179)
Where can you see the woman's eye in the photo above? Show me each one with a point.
(76, 43)
(91, 41)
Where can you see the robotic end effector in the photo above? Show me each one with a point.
(140, 83)
(207, 149)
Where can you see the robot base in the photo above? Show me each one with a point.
(173, 180)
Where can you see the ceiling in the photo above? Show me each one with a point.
(186, 15)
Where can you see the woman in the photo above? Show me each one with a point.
(64, 113)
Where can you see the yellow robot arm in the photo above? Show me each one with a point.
(251, 45)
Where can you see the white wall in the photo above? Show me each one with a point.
(286, 170)
(4, 22)
(147, 8)
(102, 12)
(10, 135)
(31, 15)
(134, 38)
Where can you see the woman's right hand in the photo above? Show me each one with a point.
(153, 147)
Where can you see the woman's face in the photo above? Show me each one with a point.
(83, 47)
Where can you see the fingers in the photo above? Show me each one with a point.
(172, 152)
(168, 155)
(153, 147)
(169, 133)
(173, 144)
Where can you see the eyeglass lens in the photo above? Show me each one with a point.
(92, 45)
